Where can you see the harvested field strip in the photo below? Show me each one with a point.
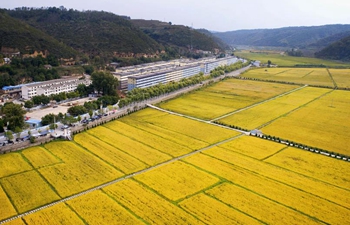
(28, 191)
(144, 153)
(13, 163)
(241, 199)
(97, 208)
(148, 205)
(264, 113)
(323, 123)
(322, 168)
(224, 97)
(7, 209)
(120, 160)
(149, 139)
(57, 214)
(40, 157)
(80, 172)
(303, 202)
(299, 181)
(212, 211)
(176, 180)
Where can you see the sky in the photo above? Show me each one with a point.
(214, 15)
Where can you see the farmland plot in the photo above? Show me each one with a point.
(40, 157)
(177, 180)
(224, 97)
(323, 123)
(148, 205)
(28, 190)
(110, 154)
(296, 199)
(341, 77)
(144, 153)
(212, 211)
(261, 114)
(6, 207)
(13, 163)
(54, 215)
(311, 76)
(97, 208)
(80, 171)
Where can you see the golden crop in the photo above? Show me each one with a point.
(277, 191)
(131, 146)
(323, 123)
(97, 208)
(12, 164)
(177, 180)
(120, 160)
(212, 211)
(224, 97)
(54, 215)
(257, 206)
(261, 114)
(148, 205)
(6, 208)
(28, 190)
(40, 157)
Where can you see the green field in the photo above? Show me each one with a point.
(288, 61)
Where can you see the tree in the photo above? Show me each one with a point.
(9, 135)
(1, 125)
(13, 115)
(105, 83)
(82, 90)
(41, 99)
(269, 63)
(77, 110)
(28, 104)
(48, 119)
(18, 132)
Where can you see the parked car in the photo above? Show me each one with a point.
(64, 127)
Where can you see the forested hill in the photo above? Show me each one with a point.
(339, 50)
(292, 37)
(17, 35)
(220, 42)
(177, 36)
(91, 32)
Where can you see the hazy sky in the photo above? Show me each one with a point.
(215, 15)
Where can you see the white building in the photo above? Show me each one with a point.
(50, 87)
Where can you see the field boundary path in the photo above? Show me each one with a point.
(116, 180)
(259, 103)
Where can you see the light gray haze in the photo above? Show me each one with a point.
(215, 15)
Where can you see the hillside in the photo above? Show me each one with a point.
(15, 34)
(176, 35)
(339, 50)
(291, 37)
(91, 32)
(220, 42)
(329, 40)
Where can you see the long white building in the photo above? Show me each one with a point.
(50, 87)
(192, 68)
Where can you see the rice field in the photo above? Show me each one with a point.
(341, 77)
(259, 115)
(232, 179)
(224, 97)
(323, 123)
(310, 76)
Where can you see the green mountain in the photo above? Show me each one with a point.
(291, 37)
(90, 32)
(329, 40)
(339, 50)
(177, 36)
(220, 42)
(15, 34)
